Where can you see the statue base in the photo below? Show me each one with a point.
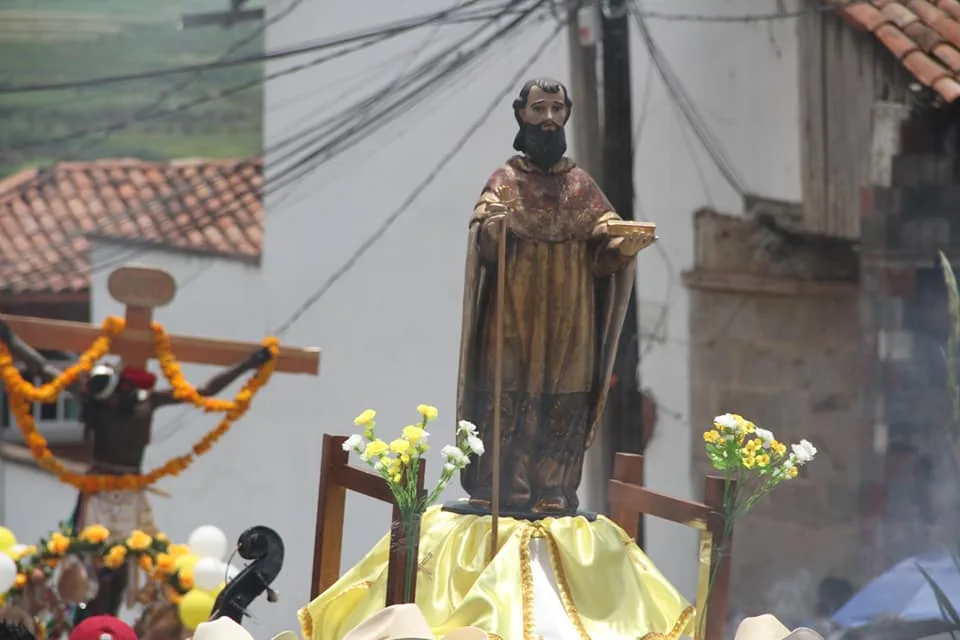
(465, 508)
(564, 578)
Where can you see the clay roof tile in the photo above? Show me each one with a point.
(187, 205)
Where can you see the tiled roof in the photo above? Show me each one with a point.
(923, 34)
(47, 216)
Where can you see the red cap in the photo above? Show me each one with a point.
(140, 378)
(103, 628)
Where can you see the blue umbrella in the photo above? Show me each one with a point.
(902, 593)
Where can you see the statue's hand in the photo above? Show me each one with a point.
(260, 357)
(626, 246)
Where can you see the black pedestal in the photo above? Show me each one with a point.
(464, 508)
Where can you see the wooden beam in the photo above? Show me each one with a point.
(75, 337)
(644, 500)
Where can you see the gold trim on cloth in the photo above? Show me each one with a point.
(609, 588)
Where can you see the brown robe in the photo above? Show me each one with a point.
(565, 299)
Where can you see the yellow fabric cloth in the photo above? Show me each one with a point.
(607, 585)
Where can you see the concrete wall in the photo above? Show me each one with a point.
(783, 352)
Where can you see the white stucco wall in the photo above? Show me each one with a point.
(742, 78)
(390, 327)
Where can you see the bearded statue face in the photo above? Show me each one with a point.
(542, 111)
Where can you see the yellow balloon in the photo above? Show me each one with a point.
(7, 539)
(195, 607)
(186, 561)
(216, 592)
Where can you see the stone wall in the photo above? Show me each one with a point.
(913, 484)
(774, 334)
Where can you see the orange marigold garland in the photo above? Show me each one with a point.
(23, 394)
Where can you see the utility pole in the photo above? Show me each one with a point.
(626, 405)
(583, 32)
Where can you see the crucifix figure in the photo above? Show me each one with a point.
(565, 281)
(119, 400)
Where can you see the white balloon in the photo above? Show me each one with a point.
(8, 572)
(208, 542)
(209, 573)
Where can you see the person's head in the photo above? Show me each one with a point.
(542, 110)
(832, 594)
(116, 387)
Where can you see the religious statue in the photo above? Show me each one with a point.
(568, 278)
(118, 403)
(545, 241)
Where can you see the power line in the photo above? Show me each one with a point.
(681, 99)
(352, 111)
(379, 233)
(396, 27)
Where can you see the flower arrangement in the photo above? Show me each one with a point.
(154, 554)
(23, 394)
(398, 462)
(753, 463)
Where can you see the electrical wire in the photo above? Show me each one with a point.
(682, 100)
(191, 185)
(151, 112)
(401, 26)
(174, 425)
(313, 298)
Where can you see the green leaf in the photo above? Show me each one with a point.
(946, 607)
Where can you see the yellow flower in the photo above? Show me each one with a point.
(428, 412)
(161, 537)
(396, 478)
(763, 460)
(139, 541)
(711, 436)
(58, 544)
(365, 418)
(413, 434)
(115, 557)
(177, 550)
(95, 533)
(748, 462)
(792, 472)
(146, 563)
(376, 448)
(779, 447)
(400, 447)
(20, 581)
(165, 563)
(751, 446)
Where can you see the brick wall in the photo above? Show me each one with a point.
(913, 495)
(775, 335)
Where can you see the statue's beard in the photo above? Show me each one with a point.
(544, 147)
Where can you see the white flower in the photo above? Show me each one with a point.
(453, 454)
(353, 443)
(476, 445)
(449, 468)
(465, 427)
(765, 436)
(379, 466)
(805, 451)
(727, 421)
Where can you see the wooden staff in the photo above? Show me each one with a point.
(498, 387)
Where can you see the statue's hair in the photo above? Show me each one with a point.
(548, 85)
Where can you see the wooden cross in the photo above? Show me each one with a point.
(141, 290)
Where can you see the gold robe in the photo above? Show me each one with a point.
(565, 299)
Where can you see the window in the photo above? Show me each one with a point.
(58, 422)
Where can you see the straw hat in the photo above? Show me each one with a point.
(405, 622)
(766, 627)
(221, 629)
